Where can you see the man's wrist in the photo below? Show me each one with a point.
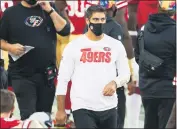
(116, 83)
(8, 47)
(50, 11)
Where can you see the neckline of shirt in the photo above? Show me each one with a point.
(95, 42)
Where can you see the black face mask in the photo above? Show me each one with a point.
(31, 2)
(97, 29)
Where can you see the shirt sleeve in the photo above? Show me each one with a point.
(65, 71)
(122, 67)
(4, 24)
(66, 30)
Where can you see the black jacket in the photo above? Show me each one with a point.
(112, 28)
(160, 40)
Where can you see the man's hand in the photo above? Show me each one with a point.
(132, 88)
(110, 89)
(45, 5)
(16, 49)
(61, 118)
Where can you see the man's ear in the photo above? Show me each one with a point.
(87, 21)
(13, 109)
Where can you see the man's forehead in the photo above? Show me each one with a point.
(98, 15)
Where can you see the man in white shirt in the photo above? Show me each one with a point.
(92, 62)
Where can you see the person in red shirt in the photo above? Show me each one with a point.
(7, 107)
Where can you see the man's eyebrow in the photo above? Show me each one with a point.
(98, 18)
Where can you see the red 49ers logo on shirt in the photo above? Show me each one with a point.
(96, 57)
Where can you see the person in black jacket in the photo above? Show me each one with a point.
(32, 23)
(157, 90)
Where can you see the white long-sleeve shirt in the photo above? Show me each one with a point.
(91, 65)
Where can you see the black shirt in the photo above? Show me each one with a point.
(32, 27)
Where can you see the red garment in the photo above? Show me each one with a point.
(137, 91)
(76, 13)
(145, 8)
(7, 123)
(174, 17)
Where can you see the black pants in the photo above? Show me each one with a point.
(91, 119)
(33, 94)
(157, 112)
(121, 107)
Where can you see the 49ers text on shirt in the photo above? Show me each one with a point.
(96, 57)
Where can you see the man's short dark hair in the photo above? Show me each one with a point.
(94, 9)
(7, 101)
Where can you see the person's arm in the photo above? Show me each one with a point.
(122, 67)
(5, 45)
(15, 49)
(127, 42)
(120, 18)
(60, 5)
(61, 25)
(132, 21)
(65, 31)
(64, 75)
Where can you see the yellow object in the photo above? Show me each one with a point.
(134, 69)
(168, 5)
(62, 41)
(6, 59)
(130, 66)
